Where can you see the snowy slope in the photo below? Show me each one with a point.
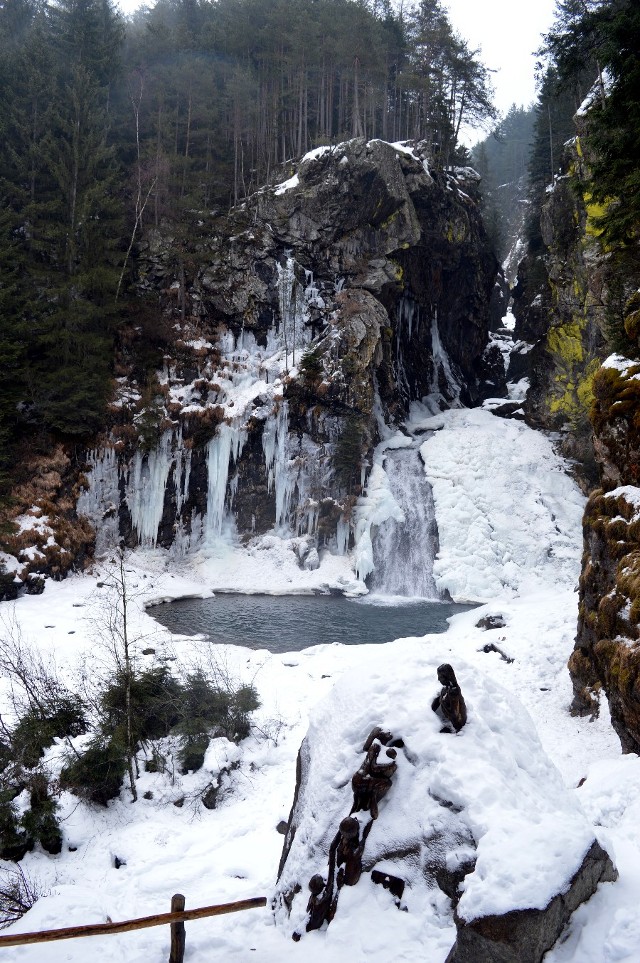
(521, 549)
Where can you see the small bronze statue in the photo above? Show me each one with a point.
(450, 704)
(372, 781)
(320, 902)
(383, 736)
(347, 850)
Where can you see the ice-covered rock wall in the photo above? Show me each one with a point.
(301, 326)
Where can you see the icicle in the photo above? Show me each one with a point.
(146, 490)
(312, 296)
(441, 359)
(294, 304)
(407, 315)
(287, 298)
(342, 535)
(311, 515)
(100, 501)
(181, 472)
(280, 472)
(269, 441)
(221, 450)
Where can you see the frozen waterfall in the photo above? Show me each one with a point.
(223, 448)
(404, 551)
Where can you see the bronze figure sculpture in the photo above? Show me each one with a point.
(450, 704)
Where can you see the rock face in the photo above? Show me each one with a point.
(524, 936)
(480, 816)
(288, 328)
(569, 293)
(559, 308)
(607, 651)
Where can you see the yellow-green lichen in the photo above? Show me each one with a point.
(565, 344)
(572, 390)
(456, 232)
(595, 212)
(389, 221)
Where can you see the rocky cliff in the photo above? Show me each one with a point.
(559, 305)
(574, 301)
(284, 334)
(607, 650)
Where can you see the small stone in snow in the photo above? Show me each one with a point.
(491, 622)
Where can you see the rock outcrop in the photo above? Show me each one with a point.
(480, 816)
(42, 533)
(607, 651)
(559, 305)
(525, 936)
(287, 329)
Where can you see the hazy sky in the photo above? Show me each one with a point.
(507, 34)
(506, 31)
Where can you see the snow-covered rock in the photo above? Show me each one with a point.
(482, 817)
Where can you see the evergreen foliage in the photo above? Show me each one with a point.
(14, 840)
(37, 729)
(594, 48)
(614, 129)
(39, 821)
(96, 775)
(601, 41)
(110, 126)
(194, 710)
(155, 705)
(61, 218)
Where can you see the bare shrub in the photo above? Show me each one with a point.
(18, 893)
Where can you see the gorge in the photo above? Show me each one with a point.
(318, 426)
(319, 526)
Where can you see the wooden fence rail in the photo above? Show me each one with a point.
(176, 919)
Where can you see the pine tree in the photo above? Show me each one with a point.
(605, 36)
(64, 212)
(614, 131)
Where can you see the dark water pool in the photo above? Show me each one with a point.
(286, 623)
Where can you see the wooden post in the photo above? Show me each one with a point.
(177, 931)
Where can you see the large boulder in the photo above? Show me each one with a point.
(480, 817)
(524, 936)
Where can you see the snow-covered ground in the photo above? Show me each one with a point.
(510, 537)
